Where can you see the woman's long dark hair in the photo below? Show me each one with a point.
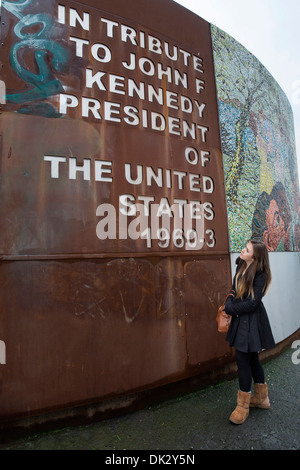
(244, 282)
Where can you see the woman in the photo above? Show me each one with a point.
(249, 330)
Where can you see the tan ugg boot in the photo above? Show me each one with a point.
(241, 413)
(260, 398)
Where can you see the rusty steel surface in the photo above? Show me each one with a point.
(82, 331)
(107, 108)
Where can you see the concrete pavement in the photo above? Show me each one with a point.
(194, 421)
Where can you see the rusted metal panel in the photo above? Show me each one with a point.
(206, 283)
(85, 330)
(106, 147)
(84, 317)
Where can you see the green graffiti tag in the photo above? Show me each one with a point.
(36, 33)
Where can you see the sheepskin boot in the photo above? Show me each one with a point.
(241, 413)
(260, 398)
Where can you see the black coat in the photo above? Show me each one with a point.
(249, 330)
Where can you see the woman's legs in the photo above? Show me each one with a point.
(241, 412)
(260, 399)
(249, 367)
(257, 371)
(243, 361)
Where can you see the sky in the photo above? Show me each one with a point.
(270, 30)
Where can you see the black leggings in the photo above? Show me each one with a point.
(249, 367)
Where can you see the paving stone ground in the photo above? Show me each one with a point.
(194, 421)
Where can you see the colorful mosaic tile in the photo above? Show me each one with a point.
(258, 145)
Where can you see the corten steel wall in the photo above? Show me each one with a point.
(82, 318)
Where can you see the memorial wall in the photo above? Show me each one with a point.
(141, 148)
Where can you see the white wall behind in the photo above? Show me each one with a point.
(282, 301)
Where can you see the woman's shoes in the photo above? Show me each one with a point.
(260, 399)
(241, 413)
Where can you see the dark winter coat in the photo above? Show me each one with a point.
(249, 330)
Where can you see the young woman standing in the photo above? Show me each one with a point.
(250, 330)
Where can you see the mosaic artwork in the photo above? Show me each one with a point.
(258, 144)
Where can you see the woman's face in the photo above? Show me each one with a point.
(276, 226)
(247, 253)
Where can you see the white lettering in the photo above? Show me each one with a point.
(76, 18)
(106, 53)
(116, 84)
(67, 101)
(115, 460)
(208, 184)
(55, 161)
(79, 45)
(100, 170)
(89, 104)
(61, 14)
(132, 118)
(111, 111)
(85, 168)
(90, 79)
(154, 45)
(109, 27)
(195, 156)
(103, 168)
(128, 33)
(198, 64)
(139, 177)
(199, 85)
(194, 181)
